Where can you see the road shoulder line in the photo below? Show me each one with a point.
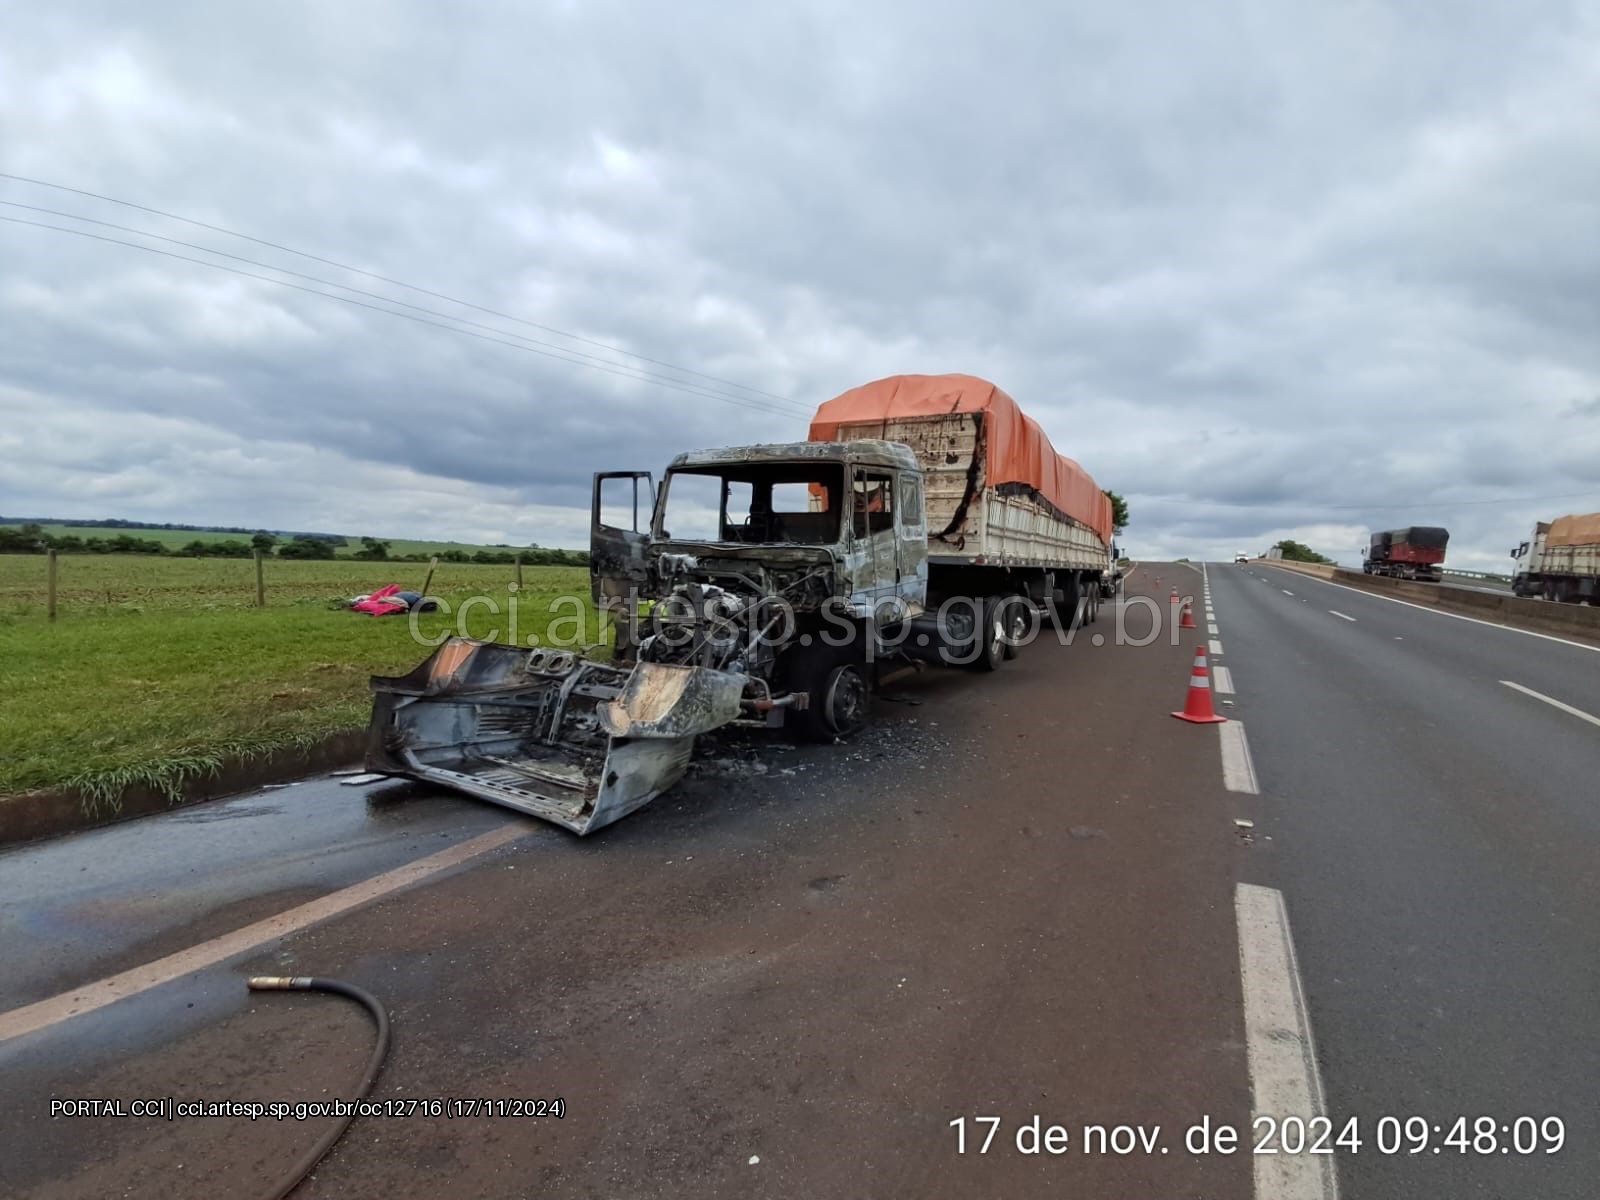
(1553, 702)
(76, 1002)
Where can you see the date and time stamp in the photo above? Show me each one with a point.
(1464, 1135)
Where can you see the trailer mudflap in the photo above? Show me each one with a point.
(546, 732)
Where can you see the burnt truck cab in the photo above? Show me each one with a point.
(781, 562)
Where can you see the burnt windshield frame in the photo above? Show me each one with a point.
(762, 526)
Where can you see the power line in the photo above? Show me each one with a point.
(396, 283)
(587, 359)
(619, 369)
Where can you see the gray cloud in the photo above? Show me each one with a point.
(1256, 266)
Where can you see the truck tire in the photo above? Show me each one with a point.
(1015, 610)
(1068, 599)
(991, 646)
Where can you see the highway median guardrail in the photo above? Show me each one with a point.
(1573, 620)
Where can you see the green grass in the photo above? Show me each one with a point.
(176, 539)
(159, 669)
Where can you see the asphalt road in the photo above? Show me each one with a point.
(1014, 898)
(1436, 836)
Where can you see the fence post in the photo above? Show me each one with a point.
(519, 572)
(432, 563)
(261, 582)
(50, 582)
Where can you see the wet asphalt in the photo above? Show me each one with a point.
(1012, 898)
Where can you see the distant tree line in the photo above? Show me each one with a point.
(1295, 552)
(30, 538)
(338, 539)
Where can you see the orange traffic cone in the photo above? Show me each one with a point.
(1197, 706)
(1188, 614)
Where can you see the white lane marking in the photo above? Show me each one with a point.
(86, 999)
(1286, 591)
(1238, 771)
(1211, 627)
(1439, 612)
(1215, 648)
(1553, 702)
(1284, 1080)
(1340, 615)
(1222, 680)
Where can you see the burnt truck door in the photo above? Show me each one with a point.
(619, 532)
(875, 552)
(911, 544)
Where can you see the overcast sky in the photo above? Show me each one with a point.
(1268, 268)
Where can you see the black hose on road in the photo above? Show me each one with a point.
(302, 1166)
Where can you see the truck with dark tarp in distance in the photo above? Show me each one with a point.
(1415, 552)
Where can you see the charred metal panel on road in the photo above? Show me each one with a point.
(570, 740)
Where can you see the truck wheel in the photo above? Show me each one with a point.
(1016, 623)
(992, 649)
(839, 698)
(1068, 602)
(845, 700)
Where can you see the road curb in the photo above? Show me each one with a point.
(34, 815)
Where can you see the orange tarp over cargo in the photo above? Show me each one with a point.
(1574, 531)
(1017, 449)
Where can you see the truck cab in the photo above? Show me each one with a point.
(810, 521)
(781, 562)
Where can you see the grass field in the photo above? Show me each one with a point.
(175, 539)
(157, 669)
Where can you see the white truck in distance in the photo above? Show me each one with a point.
(1560, 560)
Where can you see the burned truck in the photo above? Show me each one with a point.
(925, 519)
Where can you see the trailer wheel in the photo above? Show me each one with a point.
(992, 650)
(1015, 610)
(1069, 602)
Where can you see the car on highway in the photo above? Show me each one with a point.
(1241, 558)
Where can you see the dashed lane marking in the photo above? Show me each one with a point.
(1215, 648)
(1238, 771)
(1284, 1080)
(1340, 615)
(1222, 680)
